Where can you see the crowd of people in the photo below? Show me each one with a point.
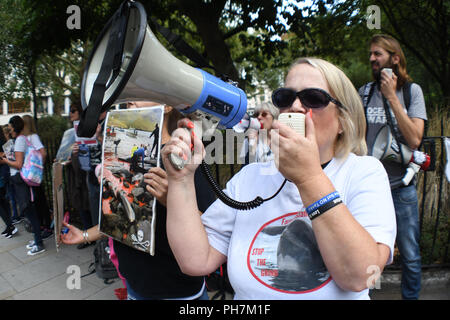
(26, 201)
(338, 213)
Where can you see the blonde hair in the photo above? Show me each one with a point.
(29, 126)
(268, 106)
(351, 117)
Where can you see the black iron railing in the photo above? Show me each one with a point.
(434, 203)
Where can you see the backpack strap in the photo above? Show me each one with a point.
(29, 142)
(407, 94)
(406, 89)
(367, 94)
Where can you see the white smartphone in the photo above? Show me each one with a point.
(388, 71)
(294, 120)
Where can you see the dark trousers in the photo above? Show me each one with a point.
(41, 205)
(24, 195)
(94, 196)
(86, 219)
(5, 211)
(11, 195)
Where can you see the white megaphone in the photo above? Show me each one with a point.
(387, 148)
(246, 123)
(128, 63)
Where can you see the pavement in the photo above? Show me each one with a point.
(44, 276)
(49, 276)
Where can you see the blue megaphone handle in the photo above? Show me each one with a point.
(221, 99)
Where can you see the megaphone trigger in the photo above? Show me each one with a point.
(177, 161)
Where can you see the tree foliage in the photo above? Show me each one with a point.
(337, 31)
(422, 27)
(252, 42)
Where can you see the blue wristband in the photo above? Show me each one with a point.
(324, 208)
(322, 201)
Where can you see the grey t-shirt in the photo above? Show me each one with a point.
(376, 119)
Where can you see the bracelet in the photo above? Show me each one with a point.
(322, 201)
(85, 236)
(325, 207)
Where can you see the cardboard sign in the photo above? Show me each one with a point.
(58, 200)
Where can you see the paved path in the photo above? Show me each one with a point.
(44, 276)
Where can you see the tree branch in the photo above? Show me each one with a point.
(53, 73)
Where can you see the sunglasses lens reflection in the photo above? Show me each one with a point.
(283, 97)
(312, 98)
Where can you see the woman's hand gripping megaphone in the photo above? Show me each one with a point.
(184, 150)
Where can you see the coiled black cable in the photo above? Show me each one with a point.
(231, 202)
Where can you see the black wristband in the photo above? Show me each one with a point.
(323, 208)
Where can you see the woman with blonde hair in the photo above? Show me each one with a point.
(327, 234)
(24, 193)
(30, 131)
(41, 203)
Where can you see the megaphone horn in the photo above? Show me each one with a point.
(128, 63)
(385, 147)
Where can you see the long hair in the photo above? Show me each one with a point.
(392, 46)
(351, 118)
(29, 126)
(17, 124)
(2, 137)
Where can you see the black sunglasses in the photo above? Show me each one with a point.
(312, 98)
(263, 114)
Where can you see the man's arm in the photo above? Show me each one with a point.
(410, 128)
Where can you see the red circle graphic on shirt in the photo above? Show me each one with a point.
(284, 256)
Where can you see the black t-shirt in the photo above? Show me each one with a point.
(159, 276)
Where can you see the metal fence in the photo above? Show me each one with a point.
(51, 147)
(434, 204)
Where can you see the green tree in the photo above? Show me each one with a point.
(208, 25)
(337, 30)
(27, 70)
(422, 27)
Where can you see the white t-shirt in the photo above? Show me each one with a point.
(272, 252)
(259, 153)
(21, 145)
